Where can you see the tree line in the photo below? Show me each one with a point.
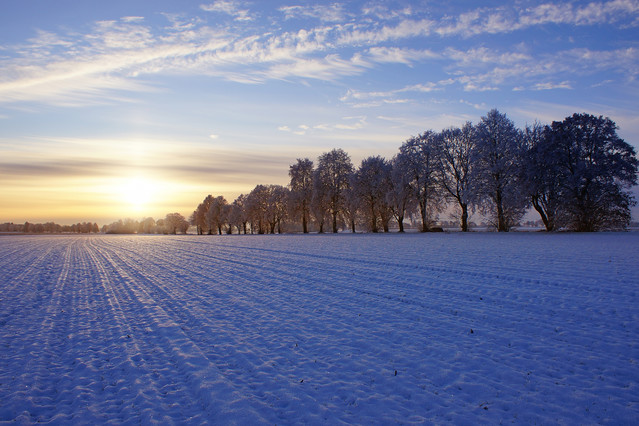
(49, 228)
(576, 174)
(173, 223)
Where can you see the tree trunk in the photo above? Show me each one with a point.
(464, 217)
(304, 223)
(335, 222)
(501, 220)
(544, 218)
(422, 209)
(353, 225)
(400, 223)
(373, 220)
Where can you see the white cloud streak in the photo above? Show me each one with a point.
(230, 7)
(328, 13)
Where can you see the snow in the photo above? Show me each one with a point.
(321, 329)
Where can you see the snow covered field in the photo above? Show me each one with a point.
(321, 329)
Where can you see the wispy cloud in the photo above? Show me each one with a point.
(487, 69)
(361, 99)
(495, 21)
(400, 55)
(551, 85)
(329, 13)
(346, 123)
(230, 7)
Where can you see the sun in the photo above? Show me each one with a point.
(136, 192)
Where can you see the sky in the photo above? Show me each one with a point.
(127, 109)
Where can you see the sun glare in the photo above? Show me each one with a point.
(136, 192)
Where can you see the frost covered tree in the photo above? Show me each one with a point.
(276, 207)
(400, 197)
(174, 223)
(371, 183)
(421, 161)
(301, 174)
(257, 207)
(266, 207)
(238, 216)
(199, 218)
(542, 176)
(352, 207)
(332, 179)
(456, 148)
(498, 163)
(597, 170)
(216, 216)
(147, 226)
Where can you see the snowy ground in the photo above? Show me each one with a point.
(479, 328)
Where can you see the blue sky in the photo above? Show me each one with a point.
(130, 109)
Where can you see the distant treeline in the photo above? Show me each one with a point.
(173, 223)
(576, 174)
(49, 228)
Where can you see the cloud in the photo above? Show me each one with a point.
(382, 12)
(506, 19)
(60, 158)
(329, 13)
(481, 69)
(328, 68)
(346, 123)
(362, 35)
(551, 86)
(114, 59)
(229, 7)
(399, 55)
(360, 99)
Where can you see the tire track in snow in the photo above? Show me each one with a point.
(266, 274)
(151, 329)
(532, 346)
(238, 358)
(520, 293)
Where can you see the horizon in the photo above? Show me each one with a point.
(119, 110)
